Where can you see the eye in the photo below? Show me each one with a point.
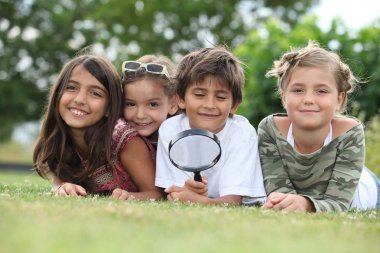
(322, 91)
(297, 90)
(96, 93)
(70, 87)
(153, 105)
(199, 94)
(129, 104)
(221, 97)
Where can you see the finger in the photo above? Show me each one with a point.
(267, 204)
(116, 193)
(173, 188)
(276, 197)
(172, 197)
(60, 192)
(124, 195)
(284, 203)
(80, 190)
(205, 180)
(70, 190)
(194, 184)
(291, 208)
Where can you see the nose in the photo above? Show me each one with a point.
(309, 98)
(140, 114)
(80, 98)
(210, 103)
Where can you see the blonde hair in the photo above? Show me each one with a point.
(314, 56)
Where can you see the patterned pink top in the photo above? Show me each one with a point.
(105, 179)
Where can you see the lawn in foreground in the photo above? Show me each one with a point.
(32, 220)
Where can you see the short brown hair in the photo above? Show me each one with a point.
(218, 62)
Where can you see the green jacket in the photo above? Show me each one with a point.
(328, 177)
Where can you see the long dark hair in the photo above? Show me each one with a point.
(55, 151)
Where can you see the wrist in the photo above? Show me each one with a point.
(309, 205)
(56, 187)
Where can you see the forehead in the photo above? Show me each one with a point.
(312, 75)
(81, 75)
(211, 82)
(144, 89)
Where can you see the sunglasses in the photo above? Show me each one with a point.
(153, 68)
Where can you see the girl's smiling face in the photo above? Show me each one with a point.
(84, 100)
(311, 97)
(146, 105)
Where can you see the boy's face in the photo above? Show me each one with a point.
(208, 104)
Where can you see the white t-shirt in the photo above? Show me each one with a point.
(238, 172)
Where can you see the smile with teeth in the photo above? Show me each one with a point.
(142, 124)
(78, 113)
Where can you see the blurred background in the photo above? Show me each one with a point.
(37, 37)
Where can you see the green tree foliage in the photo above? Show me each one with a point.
(35, 41)
(267, 44)
(37, 37)
(372, 142)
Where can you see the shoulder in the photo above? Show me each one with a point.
(341, 125)
(239, 124)
(172, 126)
(276, 122)
(122, 127)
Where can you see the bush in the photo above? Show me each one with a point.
(372, 138)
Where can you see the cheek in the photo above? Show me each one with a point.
(160, 116)
(127, 113)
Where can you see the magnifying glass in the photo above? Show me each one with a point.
(195, 150)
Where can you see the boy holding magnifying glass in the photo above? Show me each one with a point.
(210, 84)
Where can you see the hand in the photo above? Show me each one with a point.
(69, 189)
(197, 187)
(182, 194)
(273, 199)
(121, 194)
(289, 202)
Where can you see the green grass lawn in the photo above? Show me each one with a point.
(32, 220)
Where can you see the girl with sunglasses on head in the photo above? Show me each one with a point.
(149, 97)
(83, 144)
(149, 94)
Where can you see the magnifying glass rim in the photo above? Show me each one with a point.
(199, 132)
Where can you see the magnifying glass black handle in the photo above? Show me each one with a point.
(197, 176)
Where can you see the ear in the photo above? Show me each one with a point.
(173, 105)
(234, 108)
(181, 102)
(341, 98)
(283, 99)
(107, 113)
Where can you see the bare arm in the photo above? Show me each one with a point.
(183, 194)
(137, 161)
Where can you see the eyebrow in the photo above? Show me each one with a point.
(204, 89)
(96, 86)
(152, 99)
(302, 84)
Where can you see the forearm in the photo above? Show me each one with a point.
(156, 194)
(228, 199)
